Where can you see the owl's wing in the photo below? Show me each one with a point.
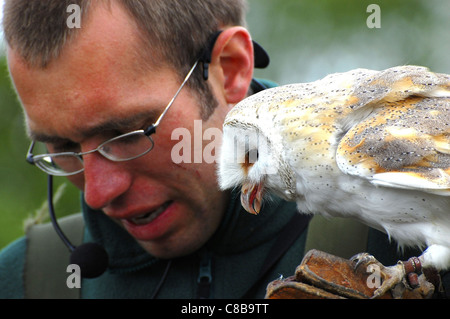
(404, 141)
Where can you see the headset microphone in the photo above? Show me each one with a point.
(90, 257)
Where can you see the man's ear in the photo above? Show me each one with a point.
(233, 57)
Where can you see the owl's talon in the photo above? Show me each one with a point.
(362, 259)
(390, 276)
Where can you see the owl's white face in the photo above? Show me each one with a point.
(247, 160)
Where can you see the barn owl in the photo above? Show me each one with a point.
(364, 144)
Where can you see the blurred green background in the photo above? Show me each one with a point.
(305, 39)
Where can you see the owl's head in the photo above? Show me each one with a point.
(251, 158)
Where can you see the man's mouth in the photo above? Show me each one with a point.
(149, 216)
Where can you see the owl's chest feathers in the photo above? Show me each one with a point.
(335, 194)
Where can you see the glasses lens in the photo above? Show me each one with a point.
(126, 147)
(59, 165)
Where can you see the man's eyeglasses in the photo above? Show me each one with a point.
(121, 148)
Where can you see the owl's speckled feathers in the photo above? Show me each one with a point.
(372, 145)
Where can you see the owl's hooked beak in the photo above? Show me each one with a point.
(251, 197)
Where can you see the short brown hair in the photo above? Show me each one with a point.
(174, 31)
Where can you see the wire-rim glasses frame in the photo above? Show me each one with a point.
(47, 164)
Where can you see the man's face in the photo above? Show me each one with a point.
(97, 90)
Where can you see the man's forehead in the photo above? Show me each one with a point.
(120, 124)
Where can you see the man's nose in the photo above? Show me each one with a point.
(104, 180)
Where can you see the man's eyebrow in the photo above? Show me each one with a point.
(44, 138)
(131, 123)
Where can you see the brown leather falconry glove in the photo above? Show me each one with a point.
(324, 276)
